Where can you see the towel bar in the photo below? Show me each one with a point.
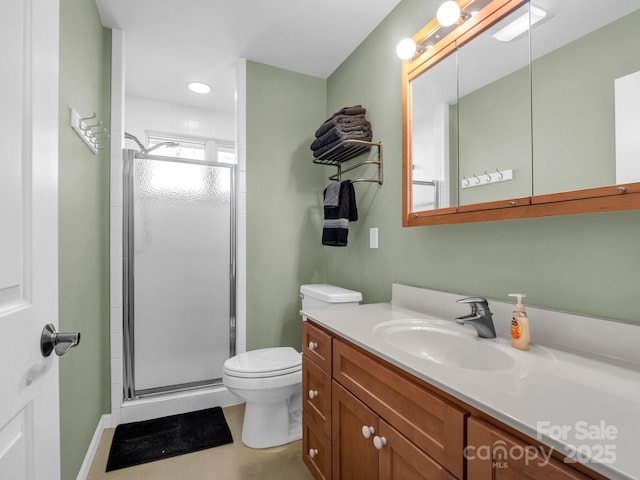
(346, 151)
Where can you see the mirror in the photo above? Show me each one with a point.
(489, 134)
(433, 149)
(494, 115)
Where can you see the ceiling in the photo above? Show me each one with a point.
(169, 43)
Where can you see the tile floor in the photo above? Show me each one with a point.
(229, 462)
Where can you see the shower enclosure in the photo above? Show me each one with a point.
(179, 273)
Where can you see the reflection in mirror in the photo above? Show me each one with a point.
(574, 135)
(494, 114)
(434, 97)
(586, 104)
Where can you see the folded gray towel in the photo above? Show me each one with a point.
(339, 119)
(355, 110)
(338, 131)
(346, 114)
(331, 194)
(365, 136)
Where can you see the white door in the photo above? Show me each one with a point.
(29, 417)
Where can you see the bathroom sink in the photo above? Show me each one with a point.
(445, 343)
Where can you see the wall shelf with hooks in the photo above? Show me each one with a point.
(348, 150)
(486, 178)
(89, 129)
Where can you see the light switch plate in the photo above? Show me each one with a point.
(373, 237)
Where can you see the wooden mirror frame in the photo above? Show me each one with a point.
(592, 200)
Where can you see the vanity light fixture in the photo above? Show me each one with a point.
(448, 13)
(199, 87)
(521, 24)
(407, 48)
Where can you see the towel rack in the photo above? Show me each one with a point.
(90, 129)
(347, 150)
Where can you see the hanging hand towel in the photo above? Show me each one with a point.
(332, 195)
(336, 219)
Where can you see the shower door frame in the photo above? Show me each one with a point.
(128, 277)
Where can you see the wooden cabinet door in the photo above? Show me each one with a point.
(493, 454)
(353, 456)
(402, 460)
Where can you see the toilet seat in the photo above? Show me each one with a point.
(264, 363)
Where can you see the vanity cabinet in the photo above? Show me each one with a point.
(493, 454)
(380, 424)
(432, 424)
(316, 401)
(367, 447)
(364, 418)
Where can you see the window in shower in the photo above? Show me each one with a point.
(179, 264)
(192, 149)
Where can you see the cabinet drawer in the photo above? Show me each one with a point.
(433, 424)
(316, 395)
(316, 345)
(316, 449)
(493, 454)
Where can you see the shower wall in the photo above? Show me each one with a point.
(145, 115)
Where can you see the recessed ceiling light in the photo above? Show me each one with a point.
(199, 87)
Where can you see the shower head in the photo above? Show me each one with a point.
(135, 139)
(144, 149)
(158, 145)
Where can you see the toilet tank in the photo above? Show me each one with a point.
(322, 295)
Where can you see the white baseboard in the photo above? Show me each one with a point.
(104, 422)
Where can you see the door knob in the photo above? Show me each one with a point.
(51, 340)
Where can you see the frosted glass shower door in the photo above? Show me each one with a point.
(181, 254)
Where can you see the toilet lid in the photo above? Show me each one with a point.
(264, 362)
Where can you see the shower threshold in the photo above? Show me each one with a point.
(156, 391)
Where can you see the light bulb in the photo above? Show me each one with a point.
(448, 13)
(406, 48)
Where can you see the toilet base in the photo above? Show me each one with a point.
(268, 425)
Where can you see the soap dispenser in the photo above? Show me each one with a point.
(520, 335)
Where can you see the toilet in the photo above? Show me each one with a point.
(269, 380)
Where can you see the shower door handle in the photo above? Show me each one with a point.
(51, 340)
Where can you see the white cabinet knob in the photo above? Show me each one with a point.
(367, 431)
(313, 452)
(313, 346)
(379, 442)
(313, 394)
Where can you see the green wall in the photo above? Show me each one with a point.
(83, 232)
(284, 191)
(589, 264)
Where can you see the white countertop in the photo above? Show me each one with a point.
(564, 400)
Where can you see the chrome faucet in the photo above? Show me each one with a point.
(479, 318)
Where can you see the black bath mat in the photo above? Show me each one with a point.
(151, 440)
